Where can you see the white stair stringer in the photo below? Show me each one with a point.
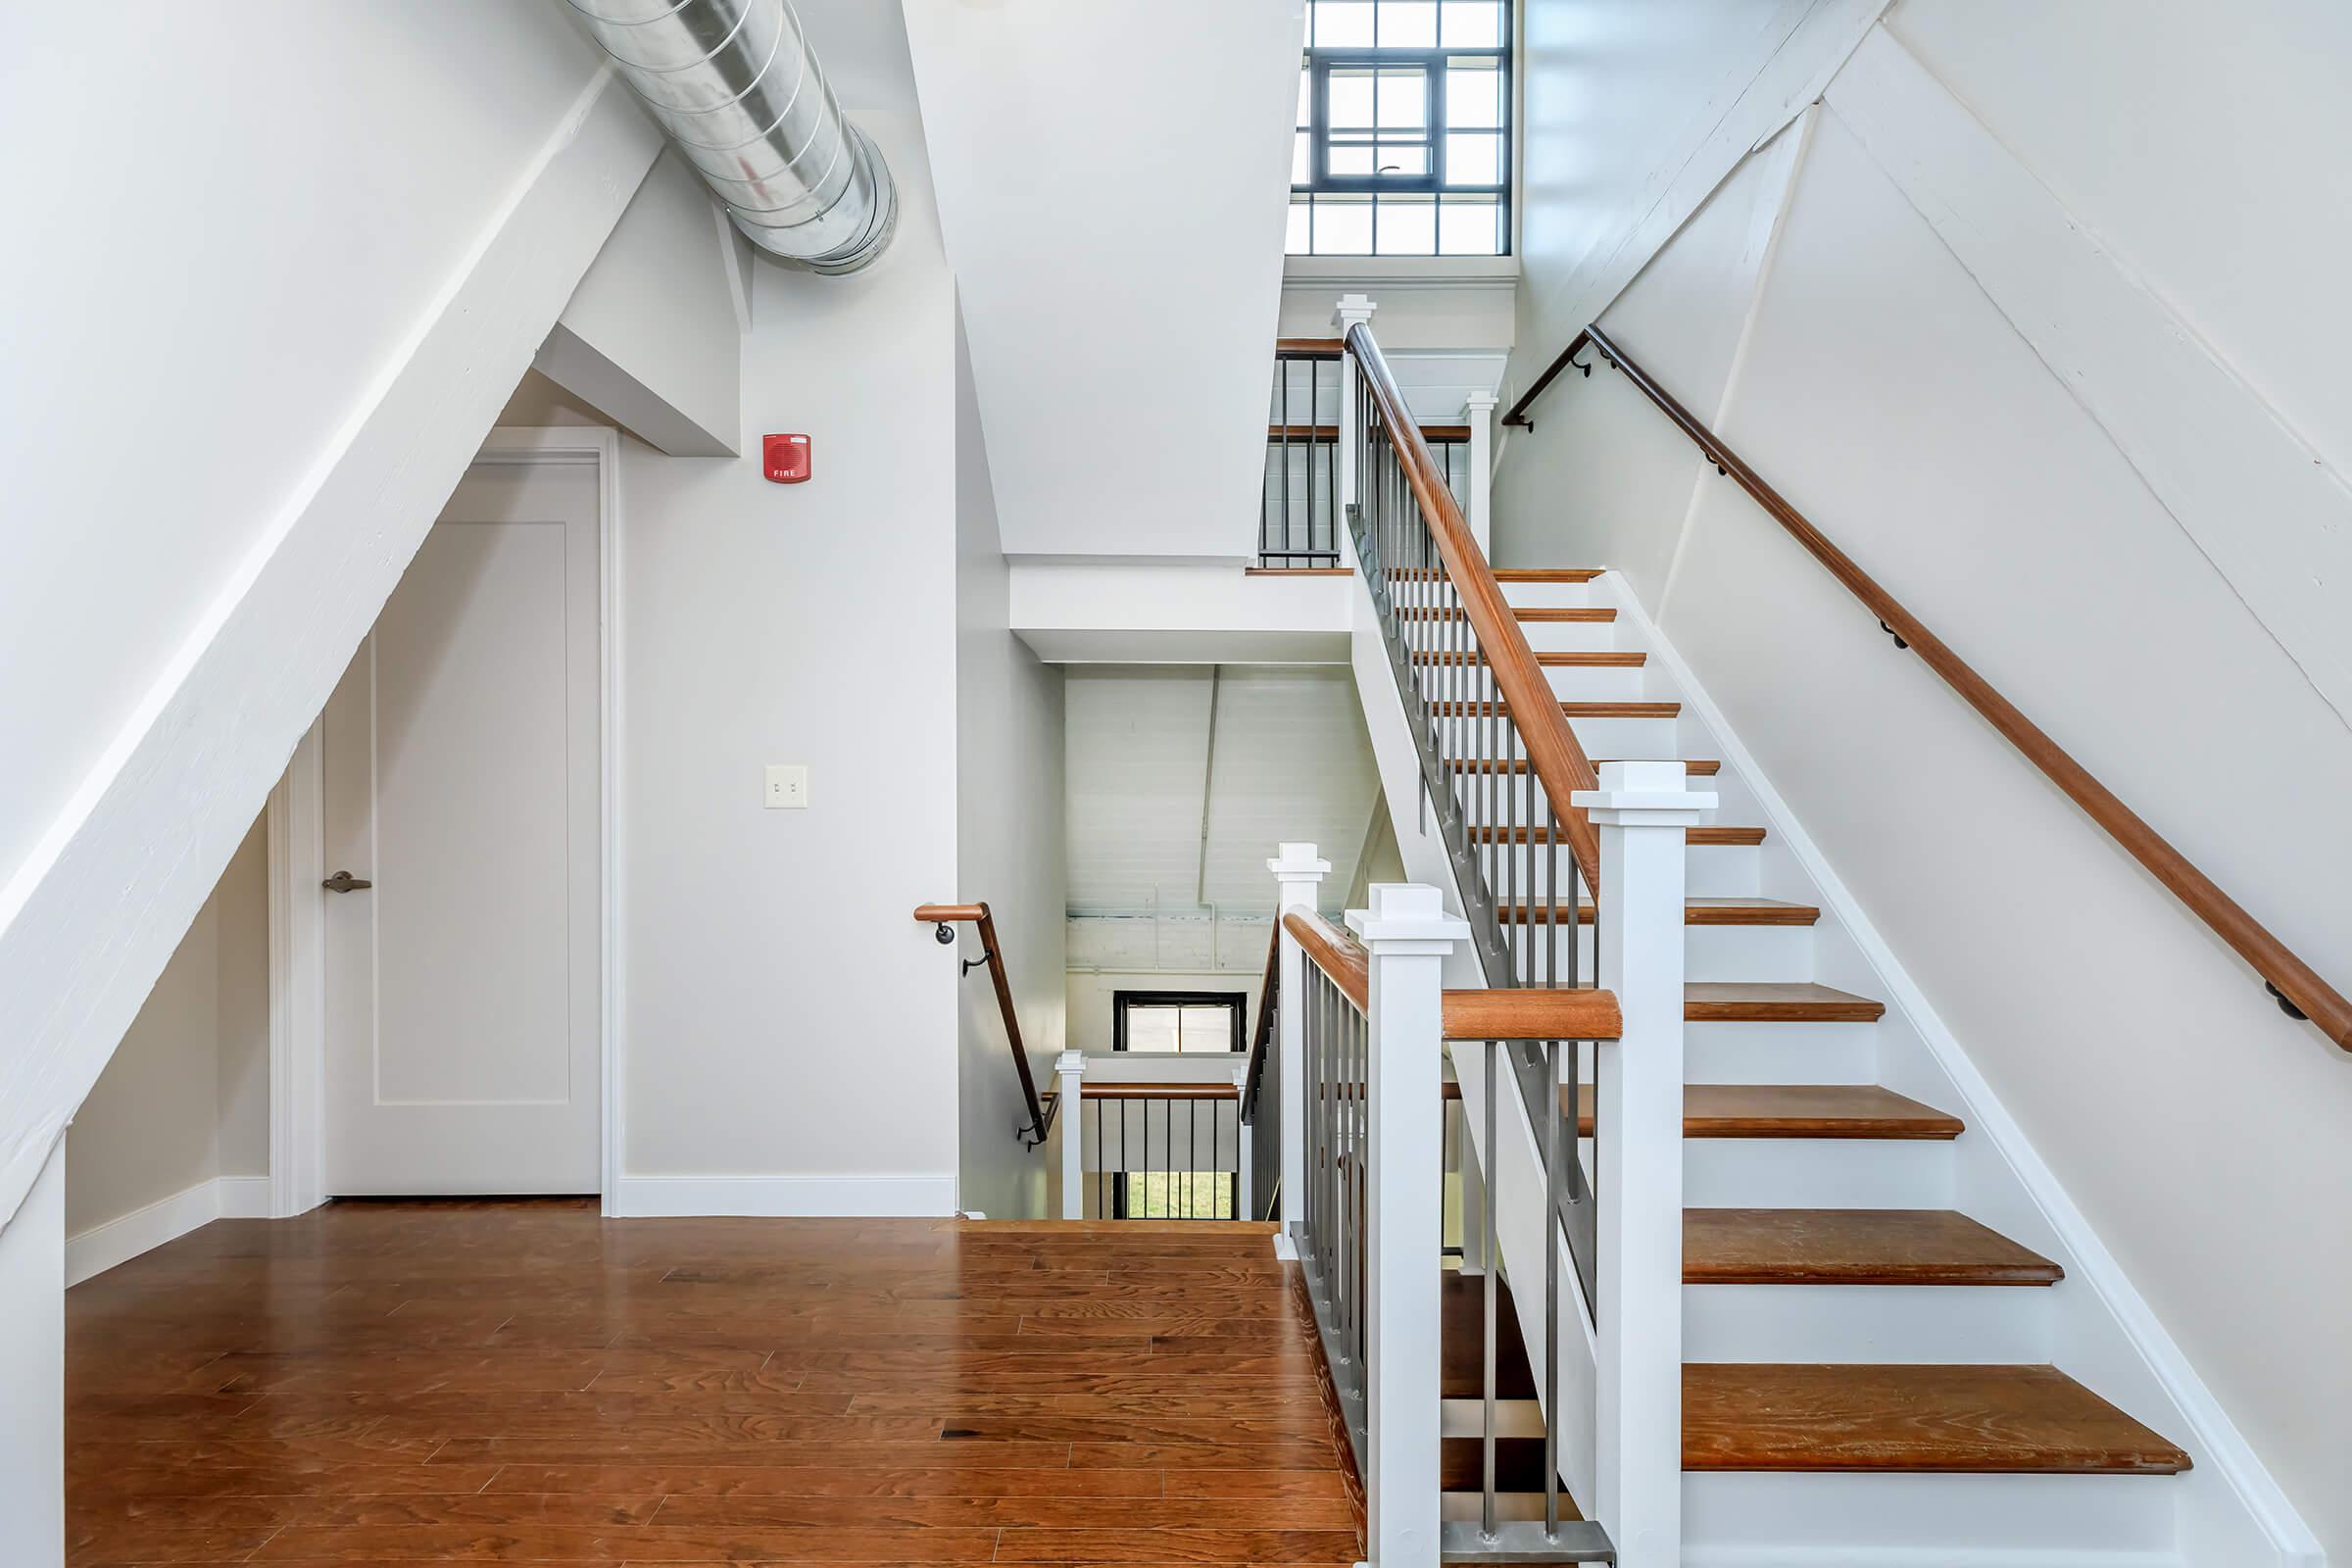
(2092, 1325)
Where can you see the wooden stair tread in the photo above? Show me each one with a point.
(1853, 1246)
(1546, 574)
(1611, 660)
(1795, 1110)
(1774, 1001)
(1456, 708)
(1704, 837)
(1703, 767)
(1948, 1419)
(1696, 911)
(1461, 1373)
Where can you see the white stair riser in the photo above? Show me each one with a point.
(1817, 1173)
(1597, 683)
(1994, 1325)
(1626, 737)
(1712, 871)
(1569, 636)
(1712, 951)
(1547, 595)
(1748, 1053)
(1774, 1520)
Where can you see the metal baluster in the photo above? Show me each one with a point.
(1551, 1302)
(1494, 1267)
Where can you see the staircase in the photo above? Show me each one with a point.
(1845, 1325)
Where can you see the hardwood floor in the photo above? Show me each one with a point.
(382, 1383)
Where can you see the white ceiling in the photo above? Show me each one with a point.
(1113, 177)
(1156, 822)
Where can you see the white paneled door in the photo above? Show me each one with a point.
(463, 1025)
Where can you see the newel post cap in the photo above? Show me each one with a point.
(1352, 309)
(1480, 402)
(1070, 1064)
(1644, 795)
(1407, 918)
(1296, 862)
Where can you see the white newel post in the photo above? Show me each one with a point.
(1478, 412)
(1296, 876)
(1407, 934)
(1642, 810)
(1070, 1074)
(1351, 309)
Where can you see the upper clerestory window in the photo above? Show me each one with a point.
(1403, 144)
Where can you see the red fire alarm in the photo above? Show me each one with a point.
(785, 458)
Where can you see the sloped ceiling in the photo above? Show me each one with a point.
(1111, 177)
(1168, 812)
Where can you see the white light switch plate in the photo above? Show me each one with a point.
(787, 787)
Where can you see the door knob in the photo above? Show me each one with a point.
(345, 882)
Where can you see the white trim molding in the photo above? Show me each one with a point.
(93, 1252)
(797, 1196)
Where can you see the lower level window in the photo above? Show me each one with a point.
(1178, 1020)
(1174, 1194)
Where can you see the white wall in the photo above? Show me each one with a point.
(1008, 839)
(186, 1098)
(374, 213)
(777, 994)
(1885, 358)
(33, 1371)
(1111, 180)
(652, 335)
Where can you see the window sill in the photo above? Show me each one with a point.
(1401, 268)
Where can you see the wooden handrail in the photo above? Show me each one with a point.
(1519, 1013)
(1261, 1043)
(2298, 986)
(992, 952)
(1335, 952)
(1105, 1089)
(1552, 749)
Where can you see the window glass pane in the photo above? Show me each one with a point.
(1302, 159)
(1469, 226)
(1403, 100)
(1343, 226)
(1408, 226)
(1473, 159)
(1211, 1028)
(1307, 96)
(1153, 1028)
(1473, 94)
(1473, 23)
(1352, 98)
(1343, 24)
(1408, 24)
(1298, 238)
(1350, 156)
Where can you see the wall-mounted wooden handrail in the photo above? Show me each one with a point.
(2298, 986)
(1520, 1014)
(992, 952)
(1552, 749)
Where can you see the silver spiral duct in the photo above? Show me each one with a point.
(740, 92)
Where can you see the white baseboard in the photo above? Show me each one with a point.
(925, 1196)
(102, 1247)
(244, 1196)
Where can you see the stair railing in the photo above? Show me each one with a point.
(2295, 985)
(944, 918)
(1498, 760)
(1170, 1118)
(1261, 1097)
(1374, 1023)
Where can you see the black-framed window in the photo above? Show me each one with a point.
(1179, 1021)
(1404, 138)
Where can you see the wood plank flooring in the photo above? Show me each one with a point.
(383, 1382)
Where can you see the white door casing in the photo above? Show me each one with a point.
(462, 777)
